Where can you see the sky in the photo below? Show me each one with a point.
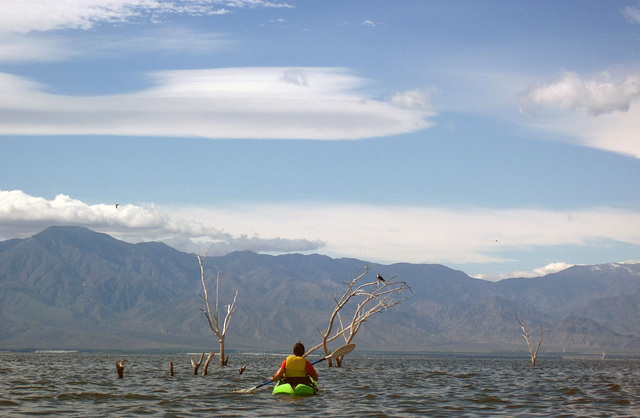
(500, 138)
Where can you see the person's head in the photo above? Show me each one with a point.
(298, 349)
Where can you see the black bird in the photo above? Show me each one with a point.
(380, 278)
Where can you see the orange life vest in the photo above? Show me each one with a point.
(295, 366)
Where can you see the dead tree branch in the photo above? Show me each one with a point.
(369, 298)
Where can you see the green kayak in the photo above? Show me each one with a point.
(300, 389)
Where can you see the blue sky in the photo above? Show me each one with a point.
(500, 138)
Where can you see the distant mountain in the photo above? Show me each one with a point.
(72, 288)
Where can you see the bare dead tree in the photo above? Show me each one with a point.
(220, 330)
(527, 335)
(369, 299)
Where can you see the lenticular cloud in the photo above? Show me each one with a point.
(254, 103)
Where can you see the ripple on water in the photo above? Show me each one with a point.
(86, 385)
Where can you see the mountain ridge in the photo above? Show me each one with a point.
(73, 288)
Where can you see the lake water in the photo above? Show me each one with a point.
(83, 384)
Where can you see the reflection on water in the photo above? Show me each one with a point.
(81, 384)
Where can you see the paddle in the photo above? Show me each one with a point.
(340, 352)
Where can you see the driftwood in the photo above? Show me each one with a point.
(120, 368)
(242, 369)
(206, 363)
(195, 365)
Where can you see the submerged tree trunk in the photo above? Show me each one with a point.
(120, 368)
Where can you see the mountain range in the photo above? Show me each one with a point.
(73, 288)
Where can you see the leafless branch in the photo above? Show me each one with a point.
(369, 298)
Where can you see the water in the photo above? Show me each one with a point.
(82, 384)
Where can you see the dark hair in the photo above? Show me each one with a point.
(298, 349)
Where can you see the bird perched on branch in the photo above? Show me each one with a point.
(379, 277)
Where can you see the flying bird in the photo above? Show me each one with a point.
(116, 206)
(379, 277)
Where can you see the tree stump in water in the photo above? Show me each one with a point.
(120, 368)
(242, 369)
(195, 365)
(206, 363)
(171, 368)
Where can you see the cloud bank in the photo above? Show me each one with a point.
(261, 103)
(377, 234)
(22, 215)
(426, 234)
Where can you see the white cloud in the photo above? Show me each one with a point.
(418, 99)
(218, 103)
(20, 16)
(597, 96)
(541, 271)
(612, 118)
(378, 234)
(23, 215)
(369, 23)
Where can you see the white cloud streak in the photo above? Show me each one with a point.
(54, 47)
(19, 16)
(260, 103)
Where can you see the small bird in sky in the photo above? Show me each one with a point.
(116, 206)
(379, 277)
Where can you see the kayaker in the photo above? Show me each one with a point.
(296, 369)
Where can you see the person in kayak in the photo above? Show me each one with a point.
(296, 369)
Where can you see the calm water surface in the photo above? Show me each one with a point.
(80, 384)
